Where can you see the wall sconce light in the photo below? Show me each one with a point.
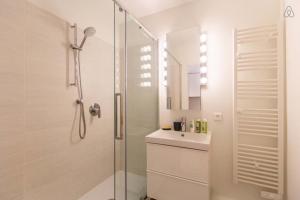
(203, 59)
(165, 63)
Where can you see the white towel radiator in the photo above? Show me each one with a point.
(259, 108)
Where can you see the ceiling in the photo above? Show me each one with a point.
(96, 13)
(141, 8)
(99, 13)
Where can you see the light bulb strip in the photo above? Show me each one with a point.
(145, 58)
(203, 58)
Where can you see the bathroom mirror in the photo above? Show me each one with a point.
(182, 55)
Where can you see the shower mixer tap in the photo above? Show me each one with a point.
(95, 110)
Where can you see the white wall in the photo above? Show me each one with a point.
(97, 13)
(293, 99)
(218, 18)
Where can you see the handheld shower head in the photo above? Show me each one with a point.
(88, 32)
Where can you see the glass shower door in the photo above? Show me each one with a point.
(119, 102)
(141, 104)
(136, 104)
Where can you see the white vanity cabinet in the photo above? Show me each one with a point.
(178, 166)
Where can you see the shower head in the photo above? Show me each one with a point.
(88, 32)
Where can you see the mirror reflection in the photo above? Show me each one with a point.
(185, 65)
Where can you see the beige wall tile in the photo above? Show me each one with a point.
(12, 12)
(41, 155)
(46, 170)
(59, 189)
(11, 183)
(12, 87)
(12, 54)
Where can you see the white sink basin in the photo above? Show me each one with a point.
(180, 139)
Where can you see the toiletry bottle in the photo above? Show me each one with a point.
(204, 126)
(183, 124)
(198, 126)
(177, 125)
(183, 127)
(192, 126)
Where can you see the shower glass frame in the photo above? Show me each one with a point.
(122, 37)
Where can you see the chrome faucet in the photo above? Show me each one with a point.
(95, 110)
(183, 124)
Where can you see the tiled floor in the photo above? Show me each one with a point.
(104, 191)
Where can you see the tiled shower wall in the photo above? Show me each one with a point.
(41, 155)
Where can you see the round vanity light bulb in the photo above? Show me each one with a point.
(203, 59)
(165, 64)
(145, 84)
(146, 66)
(203, 70)
(203, 37)
(165, 73)
(165, 45)
(203, 80)
(148, 75)
(203, 48)
(165, 55)
(165, 83)
(146, 49)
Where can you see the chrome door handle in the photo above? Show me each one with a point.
(118, 117)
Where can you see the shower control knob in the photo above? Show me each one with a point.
(95, 110)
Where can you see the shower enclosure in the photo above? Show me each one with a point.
(55, 141)
(136, 102)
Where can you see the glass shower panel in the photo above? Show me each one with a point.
(141, 104)
(119, 102)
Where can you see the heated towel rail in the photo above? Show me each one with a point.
(259, 108)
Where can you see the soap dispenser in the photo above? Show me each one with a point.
(183, 124)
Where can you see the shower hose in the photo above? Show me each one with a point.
(82, 121)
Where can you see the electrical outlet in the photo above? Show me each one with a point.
(218, 116)
(270, 195)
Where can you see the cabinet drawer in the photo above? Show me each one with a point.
(180, 162)
(164, 187)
